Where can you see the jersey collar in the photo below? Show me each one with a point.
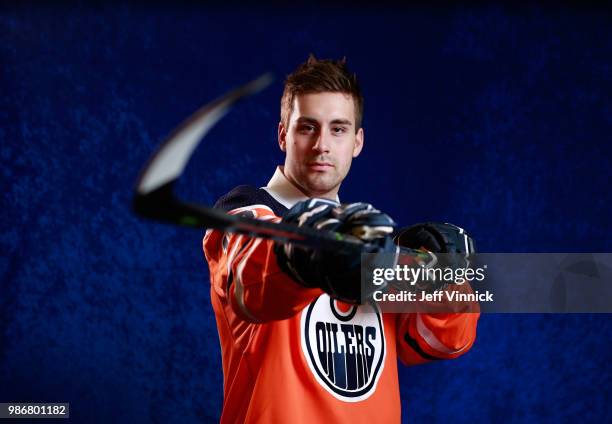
(283, 191)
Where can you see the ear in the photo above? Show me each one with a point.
(358, 143)
(282, 137)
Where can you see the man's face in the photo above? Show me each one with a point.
(320, 142)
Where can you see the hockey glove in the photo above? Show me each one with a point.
(455, 245)
(335, 272)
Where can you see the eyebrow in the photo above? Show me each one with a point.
(342, 122)
(335, 121)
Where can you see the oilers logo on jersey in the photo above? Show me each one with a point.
(344, 346)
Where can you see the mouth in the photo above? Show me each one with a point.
(320, 166)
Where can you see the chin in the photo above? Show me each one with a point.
(321, 183)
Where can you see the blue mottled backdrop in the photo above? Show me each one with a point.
(496, 118)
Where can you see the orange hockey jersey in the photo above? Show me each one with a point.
(292, 354)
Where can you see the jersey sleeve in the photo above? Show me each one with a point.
(424, 337)
(244, 273)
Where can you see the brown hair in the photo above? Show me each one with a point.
(318, 76)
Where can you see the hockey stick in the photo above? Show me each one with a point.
(154, 196)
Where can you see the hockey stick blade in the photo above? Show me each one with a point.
(168, 163)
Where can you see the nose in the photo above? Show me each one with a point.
(321, 143)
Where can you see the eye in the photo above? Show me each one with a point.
(339, 130)
(306, 128)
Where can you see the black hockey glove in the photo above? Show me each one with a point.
(337, 273)
(455, 245)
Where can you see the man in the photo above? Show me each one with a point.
(291, 352)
